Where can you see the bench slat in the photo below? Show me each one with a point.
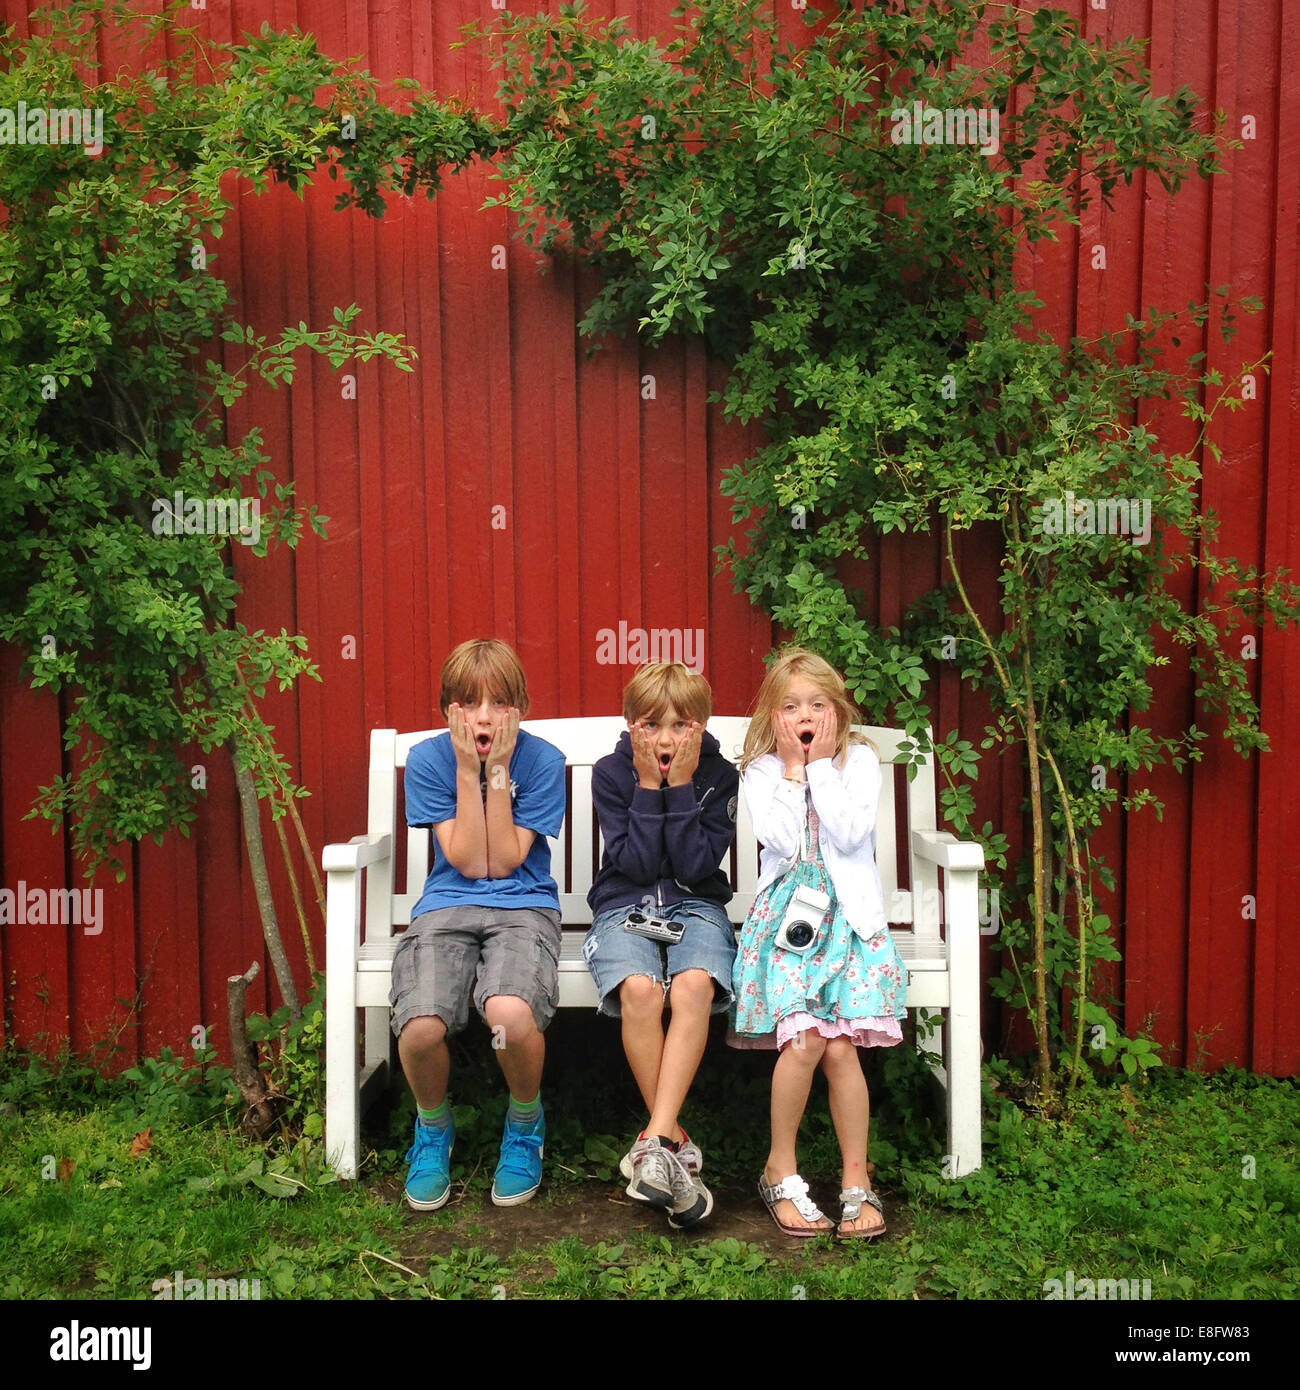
(581, 814)
(886, 831)
(417, 866)
(382, 797)
(924, 875)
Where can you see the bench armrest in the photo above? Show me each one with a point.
(942, 848)
(359, 851)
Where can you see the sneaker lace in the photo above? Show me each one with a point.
(689, 1156)
(514, 1150)
(662, 1168)
(424, 1148)
(683, 1182)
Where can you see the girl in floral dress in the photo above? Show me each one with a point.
(812, 787)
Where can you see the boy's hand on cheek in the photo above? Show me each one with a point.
(504, 737)
(462, 741)
(643, 758)
(687, 757)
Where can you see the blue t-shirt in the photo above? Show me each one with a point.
(536, 802)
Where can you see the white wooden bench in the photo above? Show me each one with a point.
(942, 970)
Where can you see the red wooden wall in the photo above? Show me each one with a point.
(611, 512)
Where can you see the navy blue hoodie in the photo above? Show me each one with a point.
(671, 840)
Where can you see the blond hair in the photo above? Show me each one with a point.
(655, 687)
(760, 738)
(480, 666)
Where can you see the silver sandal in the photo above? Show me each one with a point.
(794, 1190)
(852, 1199)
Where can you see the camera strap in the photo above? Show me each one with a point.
(805, 836)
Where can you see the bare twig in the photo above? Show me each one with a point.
(262, 883)
(260, 1114)
(297, 896)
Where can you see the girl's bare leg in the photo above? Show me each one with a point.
(851, 1115)
(791, 1082)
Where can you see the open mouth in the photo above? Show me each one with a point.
(806, 738)
(483, 742)
(665, 760)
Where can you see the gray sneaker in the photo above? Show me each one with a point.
(692, 1201)
(655, 1173)
(689, 1153)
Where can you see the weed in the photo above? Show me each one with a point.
(295, 1068)
(170, 1087)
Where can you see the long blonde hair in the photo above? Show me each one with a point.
(760, 738)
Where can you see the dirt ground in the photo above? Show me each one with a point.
(596, 1212)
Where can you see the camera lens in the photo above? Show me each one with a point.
(799, 933)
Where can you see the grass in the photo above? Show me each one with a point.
(1144, 1180)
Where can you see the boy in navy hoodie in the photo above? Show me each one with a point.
(666, 801)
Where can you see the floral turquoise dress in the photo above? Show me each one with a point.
(843, 987)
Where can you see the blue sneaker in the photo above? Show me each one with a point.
(519, 1173)
(428, 1180)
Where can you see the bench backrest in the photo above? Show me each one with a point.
(575, 854)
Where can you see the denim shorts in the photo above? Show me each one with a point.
(708, 944)
(453, 955)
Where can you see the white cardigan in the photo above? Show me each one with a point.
(846, 800)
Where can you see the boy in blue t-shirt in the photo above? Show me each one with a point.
(487, 925)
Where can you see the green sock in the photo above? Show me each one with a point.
(525, 1112)
(441, 1117)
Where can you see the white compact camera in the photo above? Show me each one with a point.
(803, 920)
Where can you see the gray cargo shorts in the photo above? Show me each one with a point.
(448, 955)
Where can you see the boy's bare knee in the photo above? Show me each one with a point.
(510, 1013)
(423, 1033)
(692, 988)
(640, 995)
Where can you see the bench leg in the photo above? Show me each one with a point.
(342, 1080)
(963, 1029)
(964, 1141)
(342, 1098)
(342, 1090)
